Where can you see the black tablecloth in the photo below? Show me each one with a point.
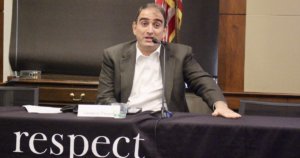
(146, 135)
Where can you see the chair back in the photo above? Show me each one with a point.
(252, 107)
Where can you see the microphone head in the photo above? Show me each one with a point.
(156, 41)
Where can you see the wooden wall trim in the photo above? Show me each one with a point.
(231, 47)
(231, 53)
(233, 7)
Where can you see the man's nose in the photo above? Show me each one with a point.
(150, 29)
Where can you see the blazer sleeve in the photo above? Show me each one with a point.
(199, 81)
(106, 81)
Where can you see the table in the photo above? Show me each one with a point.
(185, 135)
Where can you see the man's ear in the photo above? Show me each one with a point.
(133, 27)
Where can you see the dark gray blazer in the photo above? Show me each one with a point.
(117, 72)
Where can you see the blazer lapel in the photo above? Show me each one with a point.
(127, 66)
(169, 71)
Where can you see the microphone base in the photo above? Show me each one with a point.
(166, 114)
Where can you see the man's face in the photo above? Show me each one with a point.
(149, 24)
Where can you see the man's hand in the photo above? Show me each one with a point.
(221, 109)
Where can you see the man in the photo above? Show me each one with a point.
(132, 72)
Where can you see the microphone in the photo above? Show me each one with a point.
(156, 41)
(164, 112)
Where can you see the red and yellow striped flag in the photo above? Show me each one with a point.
(173, 9)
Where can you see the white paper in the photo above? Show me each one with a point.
(42, 109)
(97, 110)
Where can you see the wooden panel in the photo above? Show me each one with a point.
(232, 6)
(57, 91)
(62, 95)
(231, 52)
(231, 45)
(293, 100)
(1, 5)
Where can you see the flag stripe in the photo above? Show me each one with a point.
(173, 9)
(179, 13)
(170, 3)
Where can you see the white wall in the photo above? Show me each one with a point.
(7, 26)
(272, 55)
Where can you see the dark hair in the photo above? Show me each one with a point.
(152, 5)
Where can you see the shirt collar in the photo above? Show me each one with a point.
(139, 52)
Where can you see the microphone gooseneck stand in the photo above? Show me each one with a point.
(164, 112)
